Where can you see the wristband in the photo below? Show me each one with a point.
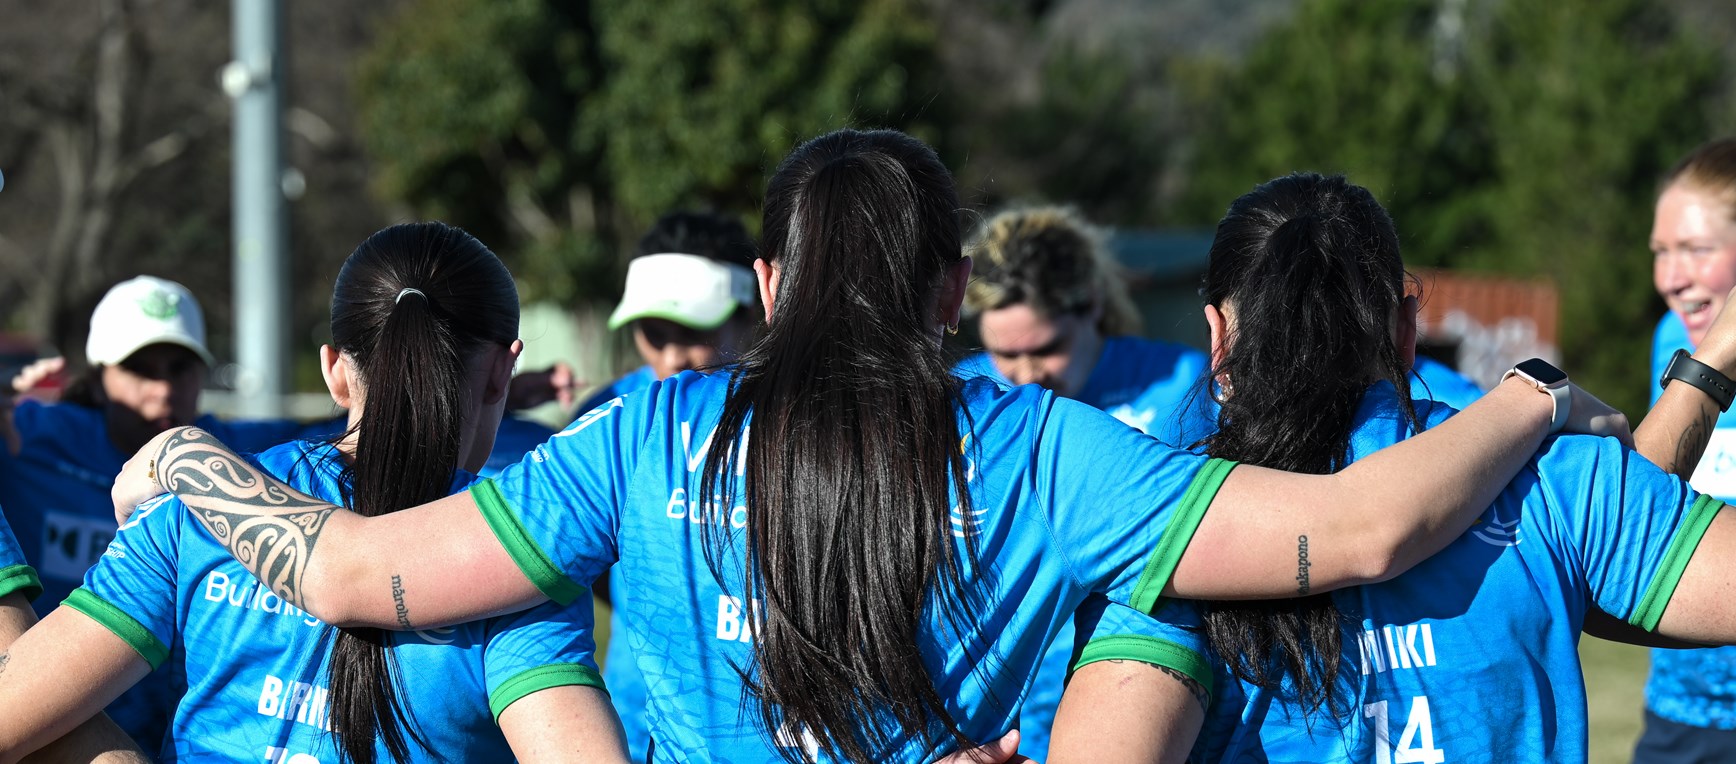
(1712, 382)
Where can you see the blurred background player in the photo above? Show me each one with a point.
(1053, 310)
(688, 299)
(691, 303)
(1691, 694)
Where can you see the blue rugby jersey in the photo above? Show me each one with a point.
(1436, 381)
(55, 492)
(255, 665)
(1473, 654)
(1695, 687)
(16, 575)
(1054, 523)
(620, 668)
(1150, 385)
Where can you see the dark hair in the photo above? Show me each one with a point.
(707, 234)
(1052, 260)
(1309, 267)
(411, 350)
(856, 438)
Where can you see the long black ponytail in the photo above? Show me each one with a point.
(855, 452)
(411, 307)
(1308, 270)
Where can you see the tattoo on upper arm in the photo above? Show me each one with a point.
(1197, 690)
(268, 526)
(398, 602)
(1692, 444)
(1302, 566)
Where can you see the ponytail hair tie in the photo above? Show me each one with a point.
(405, 291)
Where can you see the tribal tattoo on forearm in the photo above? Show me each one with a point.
(1692, 444)
(268, 526)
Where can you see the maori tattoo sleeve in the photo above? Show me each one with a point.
(266, 525)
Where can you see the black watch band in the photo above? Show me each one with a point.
(1682, 366)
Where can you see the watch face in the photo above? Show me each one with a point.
(1545, 373)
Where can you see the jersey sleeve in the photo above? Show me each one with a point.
(550, 645)
(15, 574)
(558, 510)
(1174, 638)
(1122, 506)
(131, 589)
(1629, 527)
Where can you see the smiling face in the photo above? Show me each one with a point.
(1693, 255)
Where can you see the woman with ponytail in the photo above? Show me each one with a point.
(839, 550)
(424, 329)
(1471, 655)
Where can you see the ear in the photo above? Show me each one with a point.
(769, 276)
(1404, 331)
(952, 289)
(1220, 334)
(501, 361)
(335, 368)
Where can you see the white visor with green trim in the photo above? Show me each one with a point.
(696, 292)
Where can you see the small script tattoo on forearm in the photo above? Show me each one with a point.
(1302, 566)
(266, 525)
(1194, 688)
(398, 602)
(4, 658)
(1692, 444)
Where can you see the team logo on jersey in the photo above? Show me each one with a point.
(440, 636)
(962, 522)
(1496, 531)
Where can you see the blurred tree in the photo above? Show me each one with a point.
(559, 130)
(1513, 137)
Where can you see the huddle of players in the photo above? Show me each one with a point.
(1052, 311)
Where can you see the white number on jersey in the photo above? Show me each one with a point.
(1416, 745)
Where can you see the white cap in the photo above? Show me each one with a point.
(696, 292)
(145, 311)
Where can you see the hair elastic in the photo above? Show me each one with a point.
(405, 291)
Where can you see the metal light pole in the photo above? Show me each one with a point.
(254, 80)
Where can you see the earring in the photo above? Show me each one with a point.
(952, 328)
(1221, 390)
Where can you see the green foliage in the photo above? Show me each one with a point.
(1529, 144)
(557, 131)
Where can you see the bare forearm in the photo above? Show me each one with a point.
(422, 567)
(269, 527)
(1676, 430)
(1274, 534)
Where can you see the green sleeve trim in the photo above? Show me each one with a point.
(538, 679)
(531, 559)
(21, 579)
(124, 626)
(1153, 650)
(1657, 596)
(1178, 533)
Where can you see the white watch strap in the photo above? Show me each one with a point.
(1563, 398)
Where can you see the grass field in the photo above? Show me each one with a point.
(1615, 679)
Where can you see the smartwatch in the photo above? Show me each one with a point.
(1682, 366)
(1546, 378)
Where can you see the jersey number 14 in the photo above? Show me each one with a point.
(1415, 746)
